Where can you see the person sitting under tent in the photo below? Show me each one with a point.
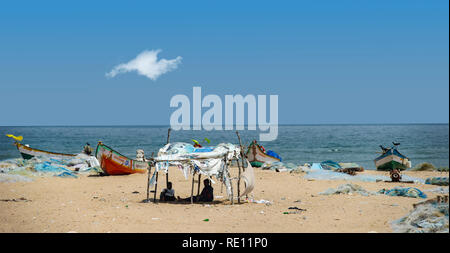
(167, 194)
(207, 194)
(87, 149)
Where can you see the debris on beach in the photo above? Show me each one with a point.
(437, 199)
(426, 218)
(21, 199)
(319, 174)
(296, 209)
(316, 173)
(350, 168)
(348, 189)
(441, 181)
(279, 166)
(7, 178)
(347, 168)
(23, 170)
(404, 192)
(261, 201)
(440, 190)
(66, 174)
(302, 168)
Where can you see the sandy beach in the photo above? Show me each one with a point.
(114, 204)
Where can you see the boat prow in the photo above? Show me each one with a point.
(257, 157)
(114, 163)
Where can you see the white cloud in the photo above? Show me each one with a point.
(147, 64)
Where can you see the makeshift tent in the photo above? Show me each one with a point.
(208, 161)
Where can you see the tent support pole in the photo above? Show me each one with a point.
(149, 171)
(239, 175)
(239, 183)
(242, 151)
(198, 188)
(192, 188)
(156, 188)
(168, 141)
(232, 195)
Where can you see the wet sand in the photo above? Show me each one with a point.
(111, 204)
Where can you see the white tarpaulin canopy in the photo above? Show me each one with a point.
(208, 161)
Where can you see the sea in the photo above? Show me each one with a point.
(297, 144)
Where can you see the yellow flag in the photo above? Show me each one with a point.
(17, 138)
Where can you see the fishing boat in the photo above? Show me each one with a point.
(391, 159)
(28, 153)
(114, 163)
(257, 157)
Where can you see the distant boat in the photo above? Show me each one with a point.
(114, 163)
(28, 153)
(392, 159)
(257, 157)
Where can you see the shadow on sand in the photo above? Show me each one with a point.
(181, 202)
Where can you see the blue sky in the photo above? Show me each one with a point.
(328, 61)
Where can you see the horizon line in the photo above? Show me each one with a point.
(288, 124)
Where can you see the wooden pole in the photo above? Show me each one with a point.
(198, 188)
(168, 141)
(149, 171)
(239, 183)
(148, 178)
(156, 187)
(168, 135)
(239, 167)
(232, 194)
(242, 151)
(192, 189)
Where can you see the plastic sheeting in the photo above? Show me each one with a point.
(330, 165)
(23, 170)
(317, 173)
(441, 181)
(209, 160)
(404, 192)
(440, 190)
(8, 178)
(279, 166)
(426, 218)
(348, 189)
(180, 151)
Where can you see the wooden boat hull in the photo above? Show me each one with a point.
(392, 161)
(28, 153)
(257, 157)
(114, 163)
